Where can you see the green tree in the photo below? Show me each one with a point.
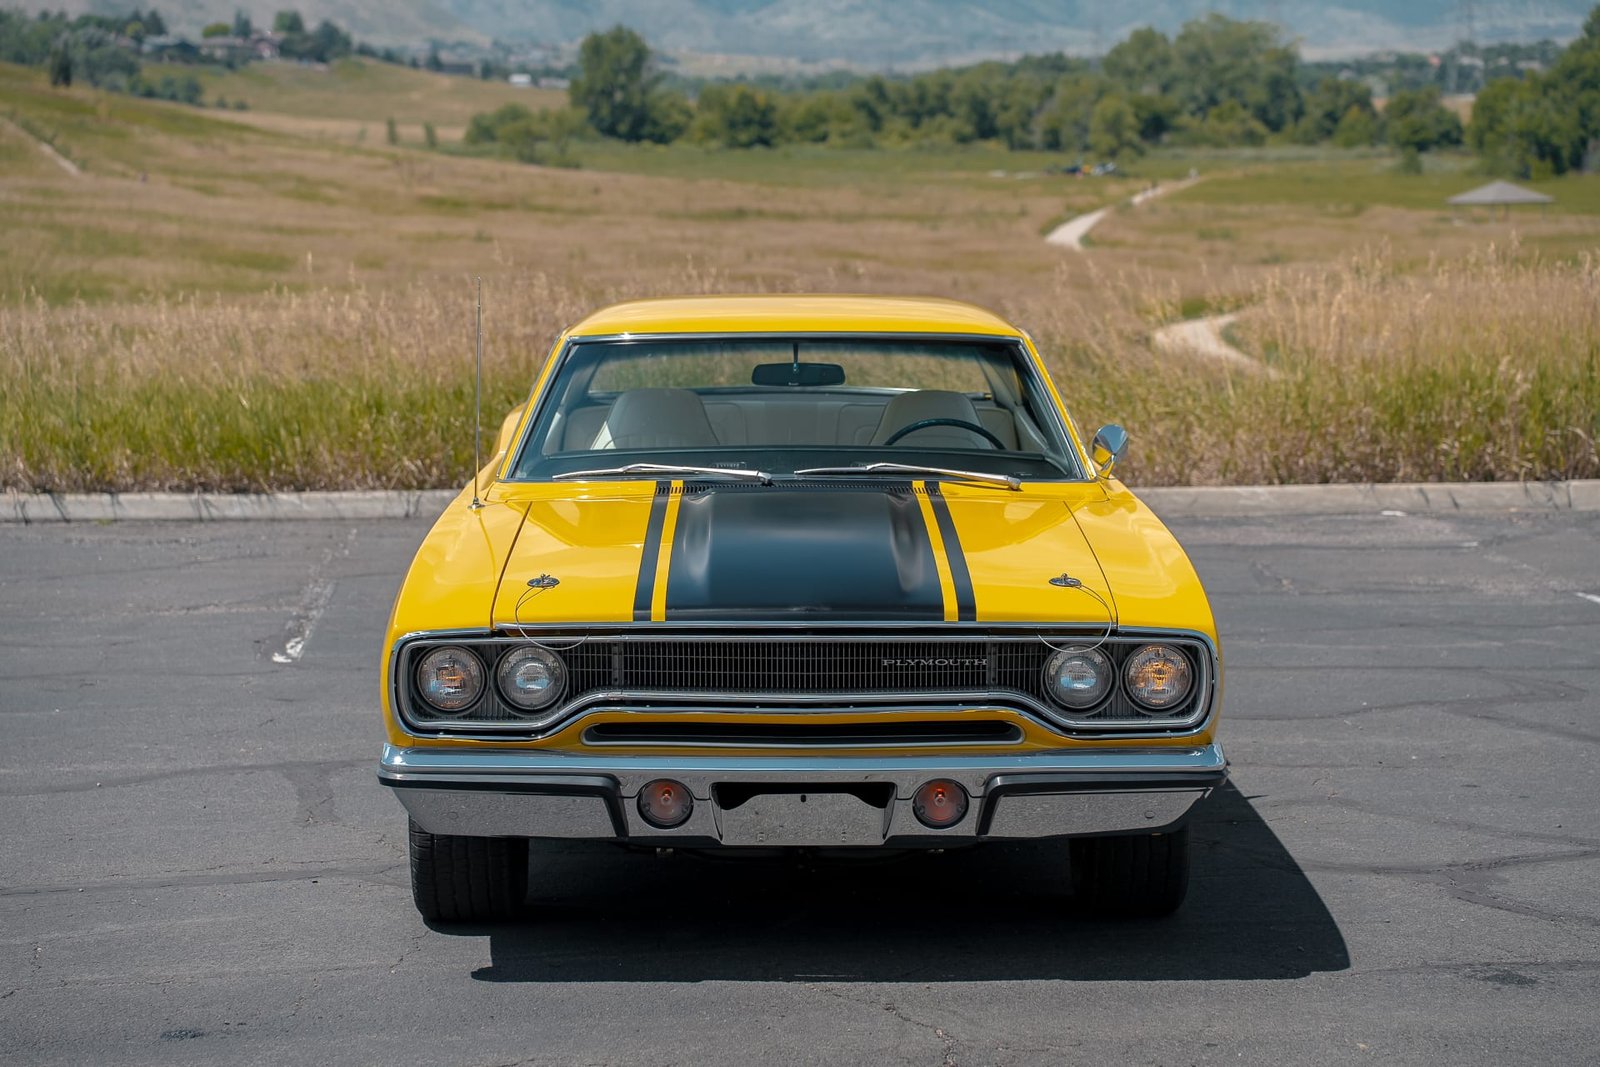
(540, 137)
(1158, 114)
(1357, 127)
(216, 29)
(1114, 129)
(430, 136)
(1220, 60)
(392, 131)
(242, 26)
(1329, 104)
(60, 64)
(1416, 119)
(287, 22)
(1064, 123)
(485, 127)
(618, 89)
(1142, 63)
(737, 116)
(329, 42)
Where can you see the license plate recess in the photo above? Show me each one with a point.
(803, 817)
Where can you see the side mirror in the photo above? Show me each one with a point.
(1110, 441)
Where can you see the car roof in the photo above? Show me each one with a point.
(805, 313)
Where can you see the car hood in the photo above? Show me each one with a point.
(823, 552)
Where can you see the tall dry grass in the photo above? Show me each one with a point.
(321, 390)
(1482, 369)
(1485, 368)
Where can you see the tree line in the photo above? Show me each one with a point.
(1217, 82)
(1547, 123)
(104, 50)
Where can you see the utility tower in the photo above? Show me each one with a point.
(1466, 34)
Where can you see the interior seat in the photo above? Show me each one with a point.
(906, 409)
(656, 418)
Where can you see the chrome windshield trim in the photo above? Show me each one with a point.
(1004, 481)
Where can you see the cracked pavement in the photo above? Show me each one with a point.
(201, 868)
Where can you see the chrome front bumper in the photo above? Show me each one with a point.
(821, 801)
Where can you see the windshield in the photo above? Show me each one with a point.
(803, 404)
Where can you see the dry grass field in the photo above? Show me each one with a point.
(250, 301)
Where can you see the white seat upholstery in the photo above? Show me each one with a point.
(908, 408)
(656, 418)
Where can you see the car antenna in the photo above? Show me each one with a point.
(477, 407)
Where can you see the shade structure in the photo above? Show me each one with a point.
(1499, 194)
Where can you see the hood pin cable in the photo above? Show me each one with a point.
(1067, 581)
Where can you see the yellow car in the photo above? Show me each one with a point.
(823, 572)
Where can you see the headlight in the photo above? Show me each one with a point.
(450, 679)
(1158, 677)
(531, 677)
(1078, 679)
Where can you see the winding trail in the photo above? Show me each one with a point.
(1203, 337)
(44, 146)
(1070, 234)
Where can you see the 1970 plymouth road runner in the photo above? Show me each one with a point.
(821, 572)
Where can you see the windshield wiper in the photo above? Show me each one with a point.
(669, 469)
(1007, 481)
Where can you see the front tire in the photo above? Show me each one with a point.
(1135, 876)
(467, 879)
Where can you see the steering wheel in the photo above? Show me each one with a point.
(923, 424)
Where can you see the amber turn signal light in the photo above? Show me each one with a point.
(940, 803)
(665, 804)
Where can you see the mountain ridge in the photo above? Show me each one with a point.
(908, 33)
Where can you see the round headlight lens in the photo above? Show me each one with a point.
(450, 679)
(531, 677)
(1078, 678)
(1158, 677)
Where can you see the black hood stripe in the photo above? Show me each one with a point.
(836, 553)
(643, 592)
(960, 576)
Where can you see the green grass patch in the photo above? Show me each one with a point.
(1346, 188)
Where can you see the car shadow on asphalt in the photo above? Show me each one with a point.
(998, 912)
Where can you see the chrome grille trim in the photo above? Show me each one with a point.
(623, 669)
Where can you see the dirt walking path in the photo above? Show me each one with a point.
(1070, 234)
(1204, 337)
(44, 146)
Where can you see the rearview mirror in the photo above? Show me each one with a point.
(1110, 441)
(786, 374)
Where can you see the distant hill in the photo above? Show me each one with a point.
(902, 33)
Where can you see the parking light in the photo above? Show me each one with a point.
(665, 804)
(939, 803)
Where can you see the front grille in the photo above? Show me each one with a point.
(707, 671)
(844, 735)
(807, 666)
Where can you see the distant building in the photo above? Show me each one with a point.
(521, 81)
(555, 83)
(259, 45)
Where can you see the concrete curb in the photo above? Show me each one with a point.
(1202, 501)
(1169, 501)
(363, 504)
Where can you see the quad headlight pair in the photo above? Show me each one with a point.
(1157, 678)
(452, 679)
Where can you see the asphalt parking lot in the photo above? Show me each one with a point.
(199, 866)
